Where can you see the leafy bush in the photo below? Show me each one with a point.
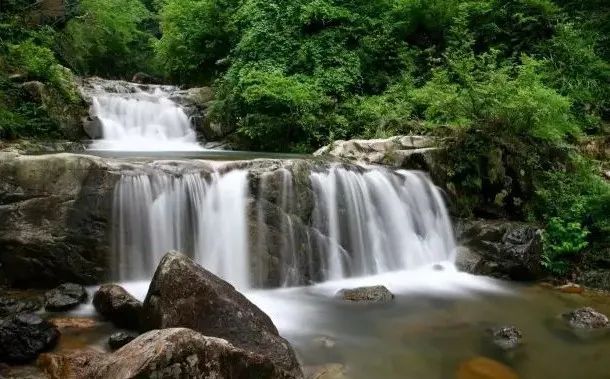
(562, 241)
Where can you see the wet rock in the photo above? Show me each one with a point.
(144, 78)
(120, 339)
(484, 368)
(167, 353)
(117, 305)
(327, 371)
(184, 294)
(10, 306)
(325, 342)
(65, 297)
(62, 323)
(571, 288)
(93, 127)
(505, 249)
(373, 294)
(24, 336)
(506, 337)
(585, 318)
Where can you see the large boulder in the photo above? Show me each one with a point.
(167, 353)
(24, 336)
(12, 305)
(117, 305)
(54, 218)
(65, 297)
(184, 294)
(505, 249)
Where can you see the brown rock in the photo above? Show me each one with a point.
(571, 288)
(117, 305)
(484, 368)
(73, 323)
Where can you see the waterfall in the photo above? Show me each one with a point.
(270, 228)
(204, 218)
(135, 118)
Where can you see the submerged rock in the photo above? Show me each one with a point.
(117, 305)
(73, 323)
(571, 288)
(184, 294)
(120, 339)
(373, 294)
(506, 337)
(327, 371)
(484, 368)
(585, 318)
(24, 336)
(167, 353)
(65, 297)
(10, 306)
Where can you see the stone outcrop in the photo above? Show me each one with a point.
(24, 336)
(499, 248)
(586, 318)
(167, 353)
(65, 297)
(54, 218)
(117, 305)
(374, 294)
(184, 294)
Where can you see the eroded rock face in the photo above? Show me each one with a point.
(54, 217)
(119, 306)
(586, 318)
(184, 294)
(167, 353)
(24, 336)
(374, 294)
(499, 248)
(65, 297)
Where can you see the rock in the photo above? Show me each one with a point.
(506, 337)
(62, 323)
(34, 89)
(10, 306)
(24, 336)
(324, 341)
(184, 294)
(144, 78)
(54, 219)
(167, 353)
(327, 371)
(373, 294)
(484, 368)
(65, 297)
(505, 249)
(571, 288)
(117, 305)
(120, 339)
(585, 318)
(92, 125)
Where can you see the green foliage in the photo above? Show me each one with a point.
(561, 241)
(109, 37)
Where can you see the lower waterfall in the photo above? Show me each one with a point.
(275, 228)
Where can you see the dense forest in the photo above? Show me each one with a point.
(518, 89)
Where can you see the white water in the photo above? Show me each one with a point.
(137, 120)
(364, 222)
(203, 218)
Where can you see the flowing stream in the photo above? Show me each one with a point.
(140, 118)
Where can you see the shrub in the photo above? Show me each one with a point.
(562, 241)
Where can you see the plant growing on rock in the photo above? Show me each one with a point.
(562, 241)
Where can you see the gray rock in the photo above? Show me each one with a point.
(120, 339)
(373, 294)
(10, 306)
(119, 306)
(65, 297)
(24, 336)
(585, 318)
(93, 127)
(184, 294)
(505, 249)
(167, 353)
(506, 337)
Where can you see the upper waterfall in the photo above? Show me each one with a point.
(140, 118)
(280, 223)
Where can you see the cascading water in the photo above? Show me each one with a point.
(135, 118)
(276, 230)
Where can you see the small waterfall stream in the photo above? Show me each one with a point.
(269, 229)
(140, 118)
